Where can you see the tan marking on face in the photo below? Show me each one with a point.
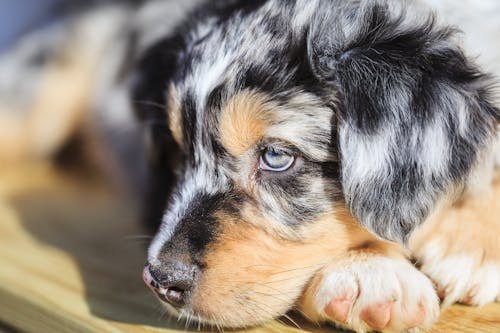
(259, 271)
(243, 122)
(470, 226)
(174, 114)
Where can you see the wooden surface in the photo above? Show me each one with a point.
(71, 255)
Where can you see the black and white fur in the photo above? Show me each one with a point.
(389, 113)
(412, 112)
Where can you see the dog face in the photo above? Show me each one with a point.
(288, 119)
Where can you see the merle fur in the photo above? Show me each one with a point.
(422, 60)
(377, 74)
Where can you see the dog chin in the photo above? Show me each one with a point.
(200, 318)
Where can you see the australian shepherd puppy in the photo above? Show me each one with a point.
(304, 151)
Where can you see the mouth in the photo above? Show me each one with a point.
(165, 295)
(171, 296)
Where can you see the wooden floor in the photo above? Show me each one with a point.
(71, 255)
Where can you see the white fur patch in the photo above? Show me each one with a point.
(461, 277)
(435, 148)
(367, 157)
(304, 11)
(375, 281)
(487, 279)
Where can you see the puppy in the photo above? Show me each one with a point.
(300, 151)
(312, 146)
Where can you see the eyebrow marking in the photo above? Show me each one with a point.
(243, 122)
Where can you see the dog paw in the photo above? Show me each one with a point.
(467, 278)
(381, 294)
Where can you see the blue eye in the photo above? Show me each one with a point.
(277, 161)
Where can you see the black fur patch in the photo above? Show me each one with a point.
(400, 79)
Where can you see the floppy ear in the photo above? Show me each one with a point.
(414, 114)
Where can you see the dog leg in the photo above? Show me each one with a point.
(372, 289)
(459, 249)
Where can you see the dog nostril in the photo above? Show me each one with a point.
(175, 296)
(171, 282)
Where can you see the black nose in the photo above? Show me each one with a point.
(172, 281)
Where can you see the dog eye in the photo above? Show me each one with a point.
(277, 161)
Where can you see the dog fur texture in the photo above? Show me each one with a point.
(392, 127)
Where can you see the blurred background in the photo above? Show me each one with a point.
(59, 62)
(18, 17)
(72, 247)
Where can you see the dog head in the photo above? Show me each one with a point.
(288, 120)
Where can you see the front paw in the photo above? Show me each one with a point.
(458, 249)
(375, 294)
(471, 278)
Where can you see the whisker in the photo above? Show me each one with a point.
(150, 103)
(136, 237)
(292, 321)
(302, 313)
(281, 322)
